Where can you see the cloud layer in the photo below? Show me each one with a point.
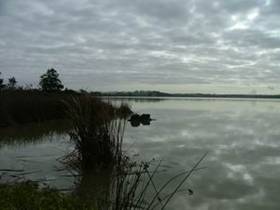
(177, 45)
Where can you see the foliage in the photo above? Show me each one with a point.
(1, 83)
(12, 82)
(98, 136)
(134, 186)
(29, 196)
(50, 81)
(19, 106)
(97, 131)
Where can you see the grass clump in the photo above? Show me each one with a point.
(134, 186)
(98, 129)
(98, 132)
(28, 196)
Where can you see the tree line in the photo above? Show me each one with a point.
(49, 82)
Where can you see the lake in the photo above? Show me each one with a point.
(241, 138)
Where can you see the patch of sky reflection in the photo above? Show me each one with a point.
(241, 138)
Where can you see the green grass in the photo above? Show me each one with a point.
(28, 196)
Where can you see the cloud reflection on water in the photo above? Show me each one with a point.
(242, 138)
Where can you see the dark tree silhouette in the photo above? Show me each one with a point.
(50, 81)
(1, 83)
(12, 82)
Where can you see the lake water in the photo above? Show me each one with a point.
(241, 137)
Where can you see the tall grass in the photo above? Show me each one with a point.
(98, 135)
(98, 129)
(134, 186)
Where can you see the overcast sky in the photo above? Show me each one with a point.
(168, 45)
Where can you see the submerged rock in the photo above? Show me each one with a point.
(136, 119)
(145, 117)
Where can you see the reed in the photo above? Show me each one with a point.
(98, 132)
(98, 129)
(134, 187)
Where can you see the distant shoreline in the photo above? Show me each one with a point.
(151, 94)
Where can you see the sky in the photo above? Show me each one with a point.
(217, 46)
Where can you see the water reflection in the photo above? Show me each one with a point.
(242, 138)
(32, 151)
(33, 132)
(94, 187)
(135, 99)
(243, 143)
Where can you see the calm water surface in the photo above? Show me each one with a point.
(242, 138)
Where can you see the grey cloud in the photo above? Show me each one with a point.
(160, 9)
(146, 42)
(237, 6)
(251, 38)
